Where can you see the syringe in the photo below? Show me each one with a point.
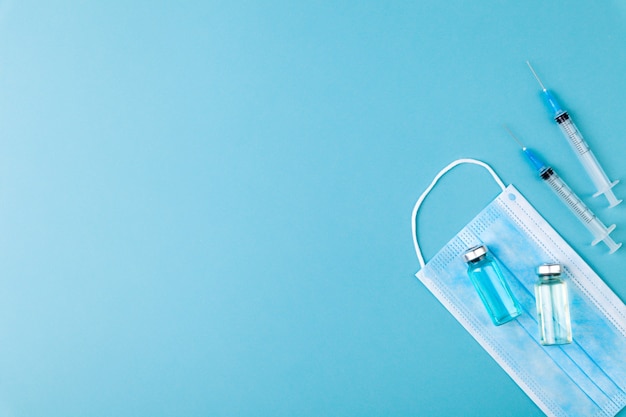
(599, 231)
(581, 149)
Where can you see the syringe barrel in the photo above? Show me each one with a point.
(571, 200)
(587, 158)
(596, 173)
(599, 231)
(571, 133)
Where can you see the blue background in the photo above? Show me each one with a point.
(205, 206)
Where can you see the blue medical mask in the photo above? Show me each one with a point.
(584, 378)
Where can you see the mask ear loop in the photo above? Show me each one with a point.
(441, 173)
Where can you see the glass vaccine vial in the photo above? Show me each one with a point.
(491, 286)
(555, 326)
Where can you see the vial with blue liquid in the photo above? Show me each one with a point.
(491, 285)
(553, 314)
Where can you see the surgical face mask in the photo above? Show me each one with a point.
(584, 378)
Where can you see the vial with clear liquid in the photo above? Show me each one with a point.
(555, 326)
(491, 286)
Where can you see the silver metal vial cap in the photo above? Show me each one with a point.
(549, 269)
(475, 253)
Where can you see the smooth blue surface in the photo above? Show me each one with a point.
(205, 206)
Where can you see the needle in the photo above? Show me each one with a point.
(536, 76)
(514, 137)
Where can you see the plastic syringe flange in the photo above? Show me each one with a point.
(608, 240)
(610, 196)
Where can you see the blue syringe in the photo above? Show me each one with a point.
(581, 149)
(599, 231)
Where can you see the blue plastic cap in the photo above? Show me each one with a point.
(553, 105)
(534, 160)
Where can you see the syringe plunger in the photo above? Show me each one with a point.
(601, 233)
